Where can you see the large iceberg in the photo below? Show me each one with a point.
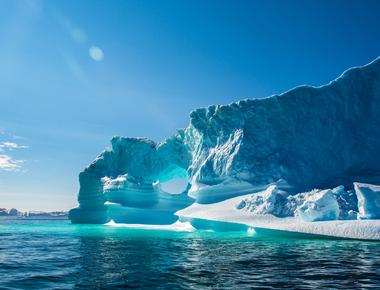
(306, 138)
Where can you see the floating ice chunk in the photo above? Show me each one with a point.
(368, 200)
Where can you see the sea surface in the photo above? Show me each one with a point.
(54, 254)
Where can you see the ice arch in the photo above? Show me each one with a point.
(123, 183)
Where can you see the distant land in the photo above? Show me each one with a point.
(13, 212)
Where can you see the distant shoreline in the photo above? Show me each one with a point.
(14, 213)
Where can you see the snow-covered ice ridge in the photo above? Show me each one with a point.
(315, 214)
(306, 138)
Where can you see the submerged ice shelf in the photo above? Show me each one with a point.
(309, 137)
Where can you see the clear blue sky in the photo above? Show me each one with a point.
(75, 73)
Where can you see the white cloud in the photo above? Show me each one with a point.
(10, 146)
(9, 164)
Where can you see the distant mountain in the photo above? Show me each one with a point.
(10, 212)
(13, 212)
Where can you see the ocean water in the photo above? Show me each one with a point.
(53, 254)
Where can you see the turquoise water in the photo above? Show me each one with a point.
(51, 254)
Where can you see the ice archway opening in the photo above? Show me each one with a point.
(176, 185)
(134, 181)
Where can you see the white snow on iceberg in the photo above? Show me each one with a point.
(319, 205)
(315, 205)
(228, 212)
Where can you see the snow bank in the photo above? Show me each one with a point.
(227, 212)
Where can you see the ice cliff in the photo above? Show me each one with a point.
(306, 138)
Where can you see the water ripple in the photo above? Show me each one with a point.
(66, 257)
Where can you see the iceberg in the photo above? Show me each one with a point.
(309, 137)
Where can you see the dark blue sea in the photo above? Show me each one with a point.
(53, 254)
